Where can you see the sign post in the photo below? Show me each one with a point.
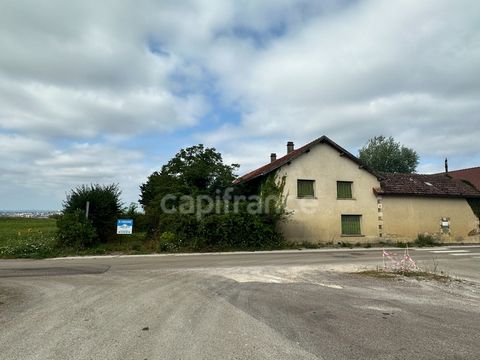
(124, 226)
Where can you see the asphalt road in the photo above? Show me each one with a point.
(287, 305)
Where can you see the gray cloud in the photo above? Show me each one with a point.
(79, 79)
(401, 68)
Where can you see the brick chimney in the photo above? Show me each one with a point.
(273, 157)
(290, 147)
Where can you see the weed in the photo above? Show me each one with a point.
(426, 240)
(395, 274)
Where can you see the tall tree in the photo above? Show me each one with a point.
(192, 171)
(387, 155)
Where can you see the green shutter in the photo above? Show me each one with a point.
(344, 190)
(351, 225)
(305, 188)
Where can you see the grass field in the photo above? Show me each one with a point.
(20, 237)
(35, 238)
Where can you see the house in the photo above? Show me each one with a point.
(333, 197)
(472, 175)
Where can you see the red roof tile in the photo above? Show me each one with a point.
(472, 175)
(438, 185)
(264, 170)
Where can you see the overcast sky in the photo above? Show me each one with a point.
(108, 91)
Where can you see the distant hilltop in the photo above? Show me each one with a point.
(38, 214)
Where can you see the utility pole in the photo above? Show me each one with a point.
(87, 209)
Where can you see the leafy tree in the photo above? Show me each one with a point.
(387, 155)
(192, 171)
(105, 207)
(241, 224)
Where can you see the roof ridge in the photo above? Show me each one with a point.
(269, 167)
(469, 168)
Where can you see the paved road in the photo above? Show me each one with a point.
(287, 305)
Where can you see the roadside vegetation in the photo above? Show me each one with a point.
(27, 238)
(406, 268)
(202, 212)
(188, 205)
(418, 275)
(38, 238)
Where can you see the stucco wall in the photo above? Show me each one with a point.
(406, 217)
(319, 219)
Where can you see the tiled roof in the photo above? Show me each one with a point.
(438, 185)
(264, 170)
(472, 175)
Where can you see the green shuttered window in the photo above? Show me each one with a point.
(351, 225)
(305, 188)
(344, 190)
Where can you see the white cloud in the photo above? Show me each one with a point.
(77, 80)
(34, 166)
(53, 111)
(79, 70)
(399, 68)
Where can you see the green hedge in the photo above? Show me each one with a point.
(217, 231)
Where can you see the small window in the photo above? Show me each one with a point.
(305, 188)
(344, 190)
(351, 225)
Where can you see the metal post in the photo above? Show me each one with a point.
(87, 209)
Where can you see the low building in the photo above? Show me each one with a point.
(472, 175)
(333, 197)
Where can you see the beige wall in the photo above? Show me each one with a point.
(319, 219)
(406, 217)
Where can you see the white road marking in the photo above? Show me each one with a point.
(449, 251)
(469, 254)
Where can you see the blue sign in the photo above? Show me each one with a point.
(124, 226)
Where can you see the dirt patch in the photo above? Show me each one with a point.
(418, 275)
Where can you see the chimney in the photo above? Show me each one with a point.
(273, 157)
(446, 166)
(289, 147)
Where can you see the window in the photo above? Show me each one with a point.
(344, 190)
(305, 188)
(351, 225)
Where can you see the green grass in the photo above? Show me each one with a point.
(26, 238)
(35, 238)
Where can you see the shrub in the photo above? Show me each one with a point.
(105, 207)
(426, 240)
(168, 242)
(217, 231)
(401, 244)
(239, 231)
(236, 224)
(74, 230)
(183, 226)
